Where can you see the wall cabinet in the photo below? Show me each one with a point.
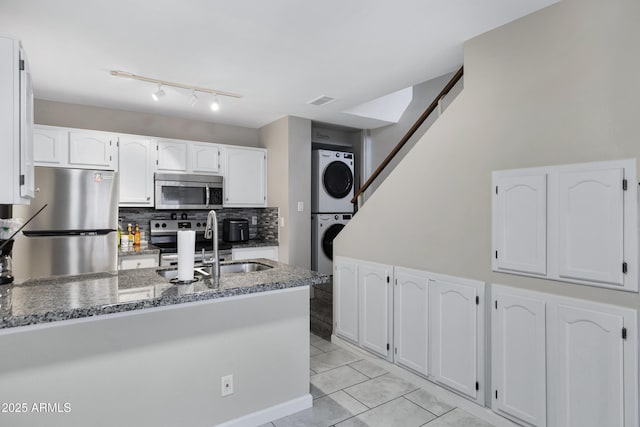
(189, 157)
(92, 149)
(245, 177)
(268, 252)
(518, 355)
(411, 320)
(575, 223)
(50, 147)
(456, 335)
(375, 307)
(205, 158)
(345, 294)
(172, 156)
(137, 167)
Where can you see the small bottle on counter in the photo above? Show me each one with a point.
(130, 234)
(136, 236)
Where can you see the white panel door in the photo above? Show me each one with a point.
(521, 223)
(374, 283)
(205, 158)
(591, 228)
(245, 177)
(345, 298)
(172, 156)
(591, 372)
(518, 357)
(453, 327)
(136, 171)
(411, 308)
(91, 150)
(49, 146)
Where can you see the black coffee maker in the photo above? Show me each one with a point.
(5, 262)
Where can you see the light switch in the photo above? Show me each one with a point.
(282, 221)
(300, 206)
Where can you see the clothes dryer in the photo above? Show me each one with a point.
(332, 181)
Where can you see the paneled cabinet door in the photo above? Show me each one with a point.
(172, 156)
(245, 177)
(591, 372)
(136, 171)
(91, 150)
(49, 146)
(205, 158)
(518, 357)
(453, 334)
(590, 225)
(411, 308)
(374, 283)
(345, 299)
(520, 215)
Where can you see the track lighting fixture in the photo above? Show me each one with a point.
(193, 100)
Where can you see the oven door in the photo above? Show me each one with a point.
(187, 195)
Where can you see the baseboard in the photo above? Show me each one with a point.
(272, 413)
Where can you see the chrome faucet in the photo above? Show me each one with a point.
(211, 232)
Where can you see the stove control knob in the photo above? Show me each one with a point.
(198, 225)
(157, 225)
(164, 225)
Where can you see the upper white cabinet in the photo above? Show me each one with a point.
(16, 113)
(50, 147)
(137, 166)
(89, 149)
(375, 307)
(411, 319)
(205, 158)
(345, 298)
(518, 355)
(456, 334)
(172, 156)
(575, 223)
(245, 177)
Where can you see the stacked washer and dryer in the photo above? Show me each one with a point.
(331, 207)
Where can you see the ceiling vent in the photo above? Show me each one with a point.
(321, 100)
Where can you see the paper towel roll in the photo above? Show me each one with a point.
(186, 254)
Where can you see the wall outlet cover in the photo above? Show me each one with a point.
(226, 385)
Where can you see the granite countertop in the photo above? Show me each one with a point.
(51, 300)
(254, 243)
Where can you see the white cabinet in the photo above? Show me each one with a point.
(50, 147)
(90, 149)
(16, 113)
(269, 252)
(575, 223)
(172, 156)
(375, 307)
(132, 262)
(205, 158)
(594, 365)
(518, 355)
(456, 335)
(245, 177)
(411, 319)
(345, 294)
(137, 167)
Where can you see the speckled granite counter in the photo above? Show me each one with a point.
(44, 301)
(254, 243)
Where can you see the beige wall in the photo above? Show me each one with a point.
(105, 119)
(559, 86)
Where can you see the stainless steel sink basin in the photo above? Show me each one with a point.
(241, 267)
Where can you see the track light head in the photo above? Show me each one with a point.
(215, 105)
(158, 94)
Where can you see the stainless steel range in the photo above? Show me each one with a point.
(164, 235)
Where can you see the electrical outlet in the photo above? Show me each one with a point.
(300, 206)
(226, 385)
(254, 220)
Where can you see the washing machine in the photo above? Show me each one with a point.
(325, 228)
(332, 181)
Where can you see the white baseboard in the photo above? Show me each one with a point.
(273, 413)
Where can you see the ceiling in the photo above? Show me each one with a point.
(278, 54)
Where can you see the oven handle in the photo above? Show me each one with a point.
(208, 196)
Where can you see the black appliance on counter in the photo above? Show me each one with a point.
(235, 230)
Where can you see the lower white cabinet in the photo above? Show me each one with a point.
(132, 262)
(411, 319)
(375, 307)
(269, 252)
(456, 335)
(345, 298)
(518, 355)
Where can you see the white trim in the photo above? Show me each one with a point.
(266, 415)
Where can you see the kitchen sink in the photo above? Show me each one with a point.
(241, 267)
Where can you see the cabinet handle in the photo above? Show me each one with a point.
(148, 198)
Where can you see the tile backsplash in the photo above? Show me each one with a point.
(266, 228)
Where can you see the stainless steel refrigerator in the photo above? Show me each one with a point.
(77, 231)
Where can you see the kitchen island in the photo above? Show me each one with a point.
(135, 349)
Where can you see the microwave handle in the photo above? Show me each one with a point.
(207, 195)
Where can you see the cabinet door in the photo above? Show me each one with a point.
(138, 261)
(521, 223)
(518, 356)
(205, 158)
(591, 229)
(245, 177)
(172, 156)
(375, 307)
(591, 369)
(345, 288)
(91, 150)
(136, 171)
(411, 304)
(454, 335)
(49, 146)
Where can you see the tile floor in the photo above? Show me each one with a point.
(349, 391)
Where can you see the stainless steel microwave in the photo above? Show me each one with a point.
(188, 191)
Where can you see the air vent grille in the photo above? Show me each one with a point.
(321, 100)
